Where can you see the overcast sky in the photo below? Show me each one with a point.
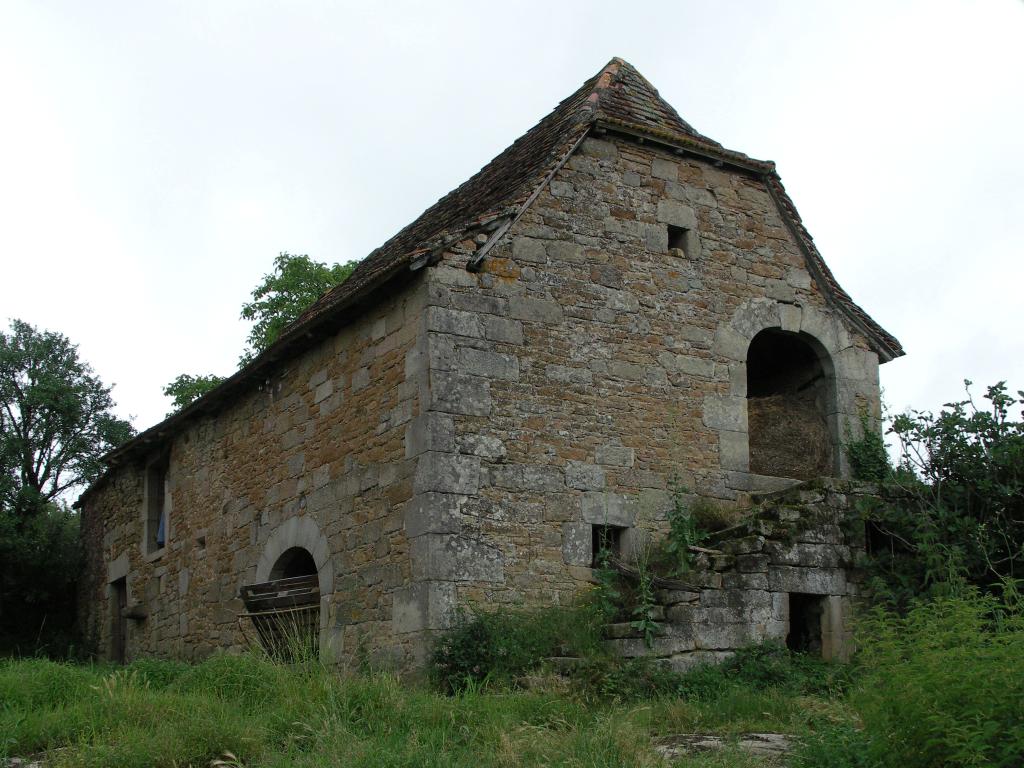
(156, 156)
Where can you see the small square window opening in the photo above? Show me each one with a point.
(607, 542)
(678, 239)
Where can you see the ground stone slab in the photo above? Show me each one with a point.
(766, 745)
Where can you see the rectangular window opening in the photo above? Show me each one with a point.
(607, 541)
(678, 239)
(156, 506)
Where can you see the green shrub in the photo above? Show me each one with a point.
(621, 679)
(869, 459)
(944, 684)
(958, 513)
(40, 563)
(837, 745)
(500, 646)
(683, 532)
(766, 666)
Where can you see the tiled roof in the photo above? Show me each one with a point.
(616, 93)
(617, 98)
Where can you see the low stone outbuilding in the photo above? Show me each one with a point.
(513, 379)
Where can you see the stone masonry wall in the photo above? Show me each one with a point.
(315, 458)
(588, 364)
(796, 544)
(458, 443)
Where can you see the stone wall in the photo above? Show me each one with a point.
(459, 443)
(315, 457)
(588, 364)
(798, 549)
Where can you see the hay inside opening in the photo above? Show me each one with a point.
(787, 404)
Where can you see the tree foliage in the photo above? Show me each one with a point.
(959, 511)
(40, 564)
(187, 388)
(296, 282)
(56, 420)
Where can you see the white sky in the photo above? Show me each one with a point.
(156, 156)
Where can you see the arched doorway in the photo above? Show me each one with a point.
(285, 609)
(790, 391)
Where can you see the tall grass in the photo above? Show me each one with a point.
(941, 686)
(269, 714)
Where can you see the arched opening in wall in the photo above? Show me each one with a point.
(285, 611)
(293, 563)
(789, 393)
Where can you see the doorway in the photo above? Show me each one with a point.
(119, 620)
(806, 613)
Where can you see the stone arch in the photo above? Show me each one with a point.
(853, 370)
(790, 399)
(301, 533)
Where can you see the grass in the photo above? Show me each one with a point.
(939, 686)
(154, 713)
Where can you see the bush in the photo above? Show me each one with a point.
(868, 457)
(944, 684)
(766, 666)
(838, 745)
(621, 679)
(501, 646)
(956, 510)
(40, 562)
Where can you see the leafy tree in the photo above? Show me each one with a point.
(55, 424)
(40, 565)
(186, 388)
(55, 420)
(295, 283)
(284, 294)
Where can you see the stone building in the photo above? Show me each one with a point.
(613, 301)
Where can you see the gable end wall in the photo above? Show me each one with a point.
(585, 366)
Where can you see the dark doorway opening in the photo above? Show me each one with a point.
(285, 611)
(805, 616)
(788, 396)
(119, 620)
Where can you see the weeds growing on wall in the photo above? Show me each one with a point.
(644, 604)
(869, 459)
(683, 531)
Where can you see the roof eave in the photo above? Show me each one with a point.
(291, 341)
